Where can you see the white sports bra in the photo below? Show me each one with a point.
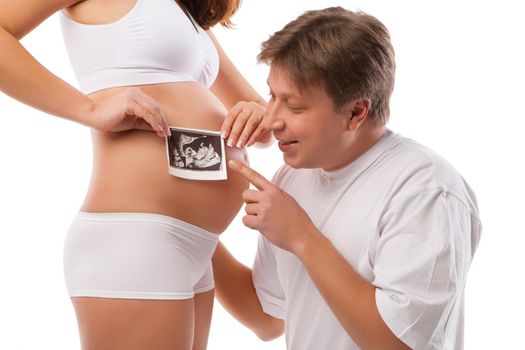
(155, 42)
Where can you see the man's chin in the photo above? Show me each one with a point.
(293, 162)
(296, 163)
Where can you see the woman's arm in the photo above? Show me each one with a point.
(243, 125)
(26, 80)
(235, 291)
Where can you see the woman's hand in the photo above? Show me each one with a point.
(243, 125)
(128, 110)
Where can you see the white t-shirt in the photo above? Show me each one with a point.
(405, 220)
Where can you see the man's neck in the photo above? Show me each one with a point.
(364, 139)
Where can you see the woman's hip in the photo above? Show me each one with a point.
(137, 256)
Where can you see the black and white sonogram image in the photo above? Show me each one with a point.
(196, 154)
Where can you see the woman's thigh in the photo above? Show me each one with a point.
(131, 324)
(203, 311)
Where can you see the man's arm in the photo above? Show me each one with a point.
(235, 291)
(349, 296)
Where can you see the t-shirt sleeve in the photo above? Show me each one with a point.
(266, 281)
(424, 251)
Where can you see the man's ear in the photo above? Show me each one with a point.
(357, 112)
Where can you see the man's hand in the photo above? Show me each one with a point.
(273, 212)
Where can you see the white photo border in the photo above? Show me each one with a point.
(190, 174)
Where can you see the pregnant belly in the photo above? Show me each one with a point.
(130, 169)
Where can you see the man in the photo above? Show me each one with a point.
(366, 236)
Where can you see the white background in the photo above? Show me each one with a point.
(459, 90)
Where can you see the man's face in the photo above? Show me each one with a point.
(309, 130)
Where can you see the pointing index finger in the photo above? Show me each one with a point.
(251, 175)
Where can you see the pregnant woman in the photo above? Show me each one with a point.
(137, 256)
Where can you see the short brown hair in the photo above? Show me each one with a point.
(348, 54)
(208, 13)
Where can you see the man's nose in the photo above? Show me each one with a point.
(273, 121)
(277, 124)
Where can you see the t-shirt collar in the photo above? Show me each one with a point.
(358, 166)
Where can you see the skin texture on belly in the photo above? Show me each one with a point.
(130, 169)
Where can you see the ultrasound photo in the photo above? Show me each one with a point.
(196, 154)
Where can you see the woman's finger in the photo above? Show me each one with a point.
(250, 128)
(154, 107)
(139, 111)
(255, 135)
(150, 112)
(238, 127)
(230, 119)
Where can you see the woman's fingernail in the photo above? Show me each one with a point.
(230, 142)
(223, 134)
(239, 144)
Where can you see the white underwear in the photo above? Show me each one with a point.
(137, 256)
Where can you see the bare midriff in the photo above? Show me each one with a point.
(130, 169)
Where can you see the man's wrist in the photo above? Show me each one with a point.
(310, 239)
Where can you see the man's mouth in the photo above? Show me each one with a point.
(287, 142)
(286, 146)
